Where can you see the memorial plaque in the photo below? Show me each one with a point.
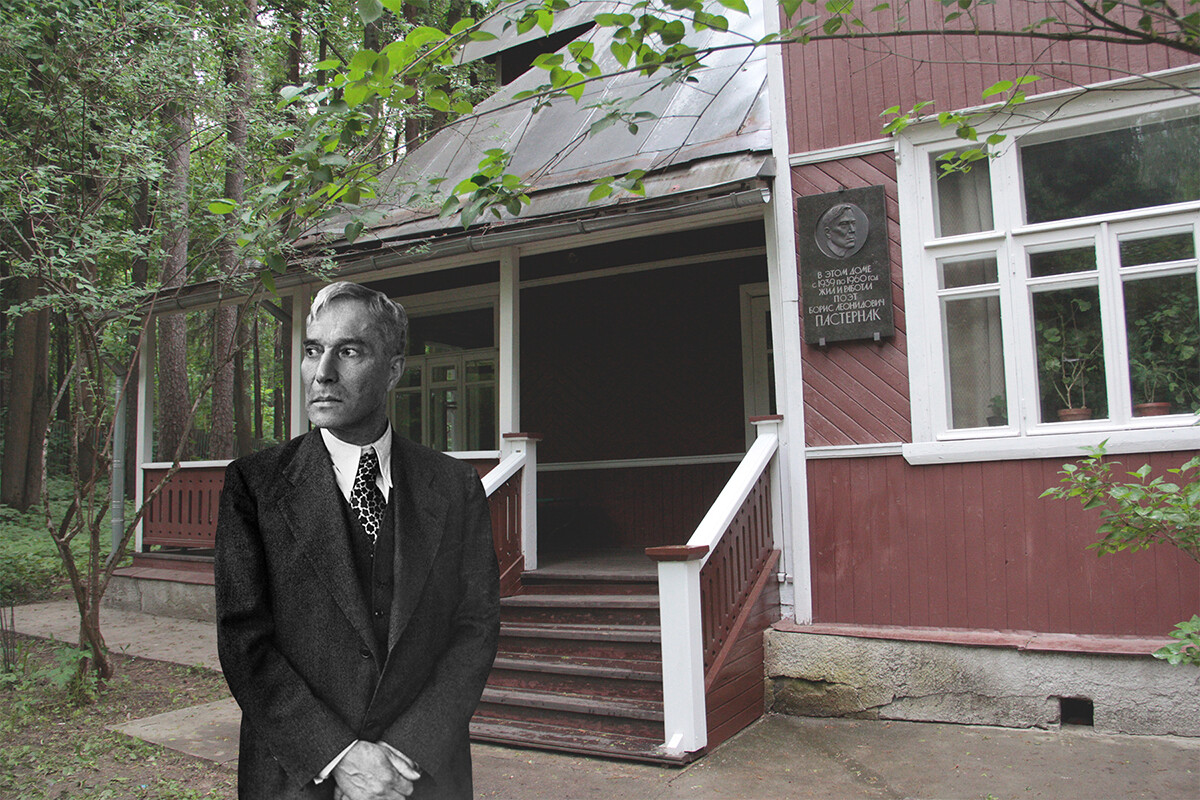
(845, 275)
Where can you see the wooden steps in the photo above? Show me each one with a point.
(579, 670)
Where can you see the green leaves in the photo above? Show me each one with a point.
(1187, 649)
(1136, 513)
(630, 182)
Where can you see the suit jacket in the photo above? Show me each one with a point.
(295, 638)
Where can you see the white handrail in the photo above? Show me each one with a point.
(497, 475)
(716, 521)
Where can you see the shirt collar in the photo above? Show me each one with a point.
(345, 460)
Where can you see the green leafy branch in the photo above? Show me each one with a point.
(1137, 513)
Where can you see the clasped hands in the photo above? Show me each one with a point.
(374, 771)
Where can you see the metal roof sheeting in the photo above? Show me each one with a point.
(708, 135)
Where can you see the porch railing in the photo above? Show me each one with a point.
(707, 589)
(184, 514)
(511, 487)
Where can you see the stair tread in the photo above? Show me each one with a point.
(635, 669)
(573, 740)
(577, 703)
(569, 600)
(593, 632)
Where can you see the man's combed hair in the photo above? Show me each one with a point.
(388, 314)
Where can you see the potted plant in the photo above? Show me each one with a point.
(1164, 345)
(1070, 355)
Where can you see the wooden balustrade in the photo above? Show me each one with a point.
(717, 594)
(184, 514)
(729, 576)
(505, 503)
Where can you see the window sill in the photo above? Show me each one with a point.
(1054, 445)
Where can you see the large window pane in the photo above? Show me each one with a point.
(964, 200)
(1070, 353)
(1163, 327)
(975, 360)
(1145, 165)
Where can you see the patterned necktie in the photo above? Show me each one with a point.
(365, 498)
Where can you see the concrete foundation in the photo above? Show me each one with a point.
(164, 598)
(817, 675)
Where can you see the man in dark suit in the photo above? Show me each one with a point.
(357, 588)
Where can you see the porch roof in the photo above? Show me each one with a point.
(706, 149)
(705, 137)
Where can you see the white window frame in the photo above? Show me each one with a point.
(1025, 436)
(446, 302)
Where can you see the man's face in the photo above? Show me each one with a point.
(348, 371)
(841, 233)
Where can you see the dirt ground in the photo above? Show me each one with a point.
(55, 744)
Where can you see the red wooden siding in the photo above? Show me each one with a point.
(836, 90)
(857, 392)
(635, 508)
(973, 546)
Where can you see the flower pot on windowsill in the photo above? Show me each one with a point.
(1156, 409)
(1074, 414)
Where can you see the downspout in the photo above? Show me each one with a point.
(795, 578)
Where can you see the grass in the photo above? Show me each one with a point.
(54, 737)
(30, 567)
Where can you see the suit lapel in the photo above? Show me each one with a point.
(312, 505)
(420, 521)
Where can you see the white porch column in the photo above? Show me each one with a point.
(509, 379)
(515, 443)
(684, 718)
(795, 589)
(144, 430)
(298, 412)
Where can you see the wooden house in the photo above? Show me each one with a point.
(799, 388)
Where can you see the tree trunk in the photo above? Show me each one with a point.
(29, 401)
(226, 395)
(173, 393)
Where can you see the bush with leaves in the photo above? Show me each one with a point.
(1140, 512)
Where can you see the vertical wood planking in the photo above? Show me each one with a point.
(973, 546)
(838, 89)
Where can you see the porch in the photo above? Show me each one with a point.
(588, 637)
(641, 538)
